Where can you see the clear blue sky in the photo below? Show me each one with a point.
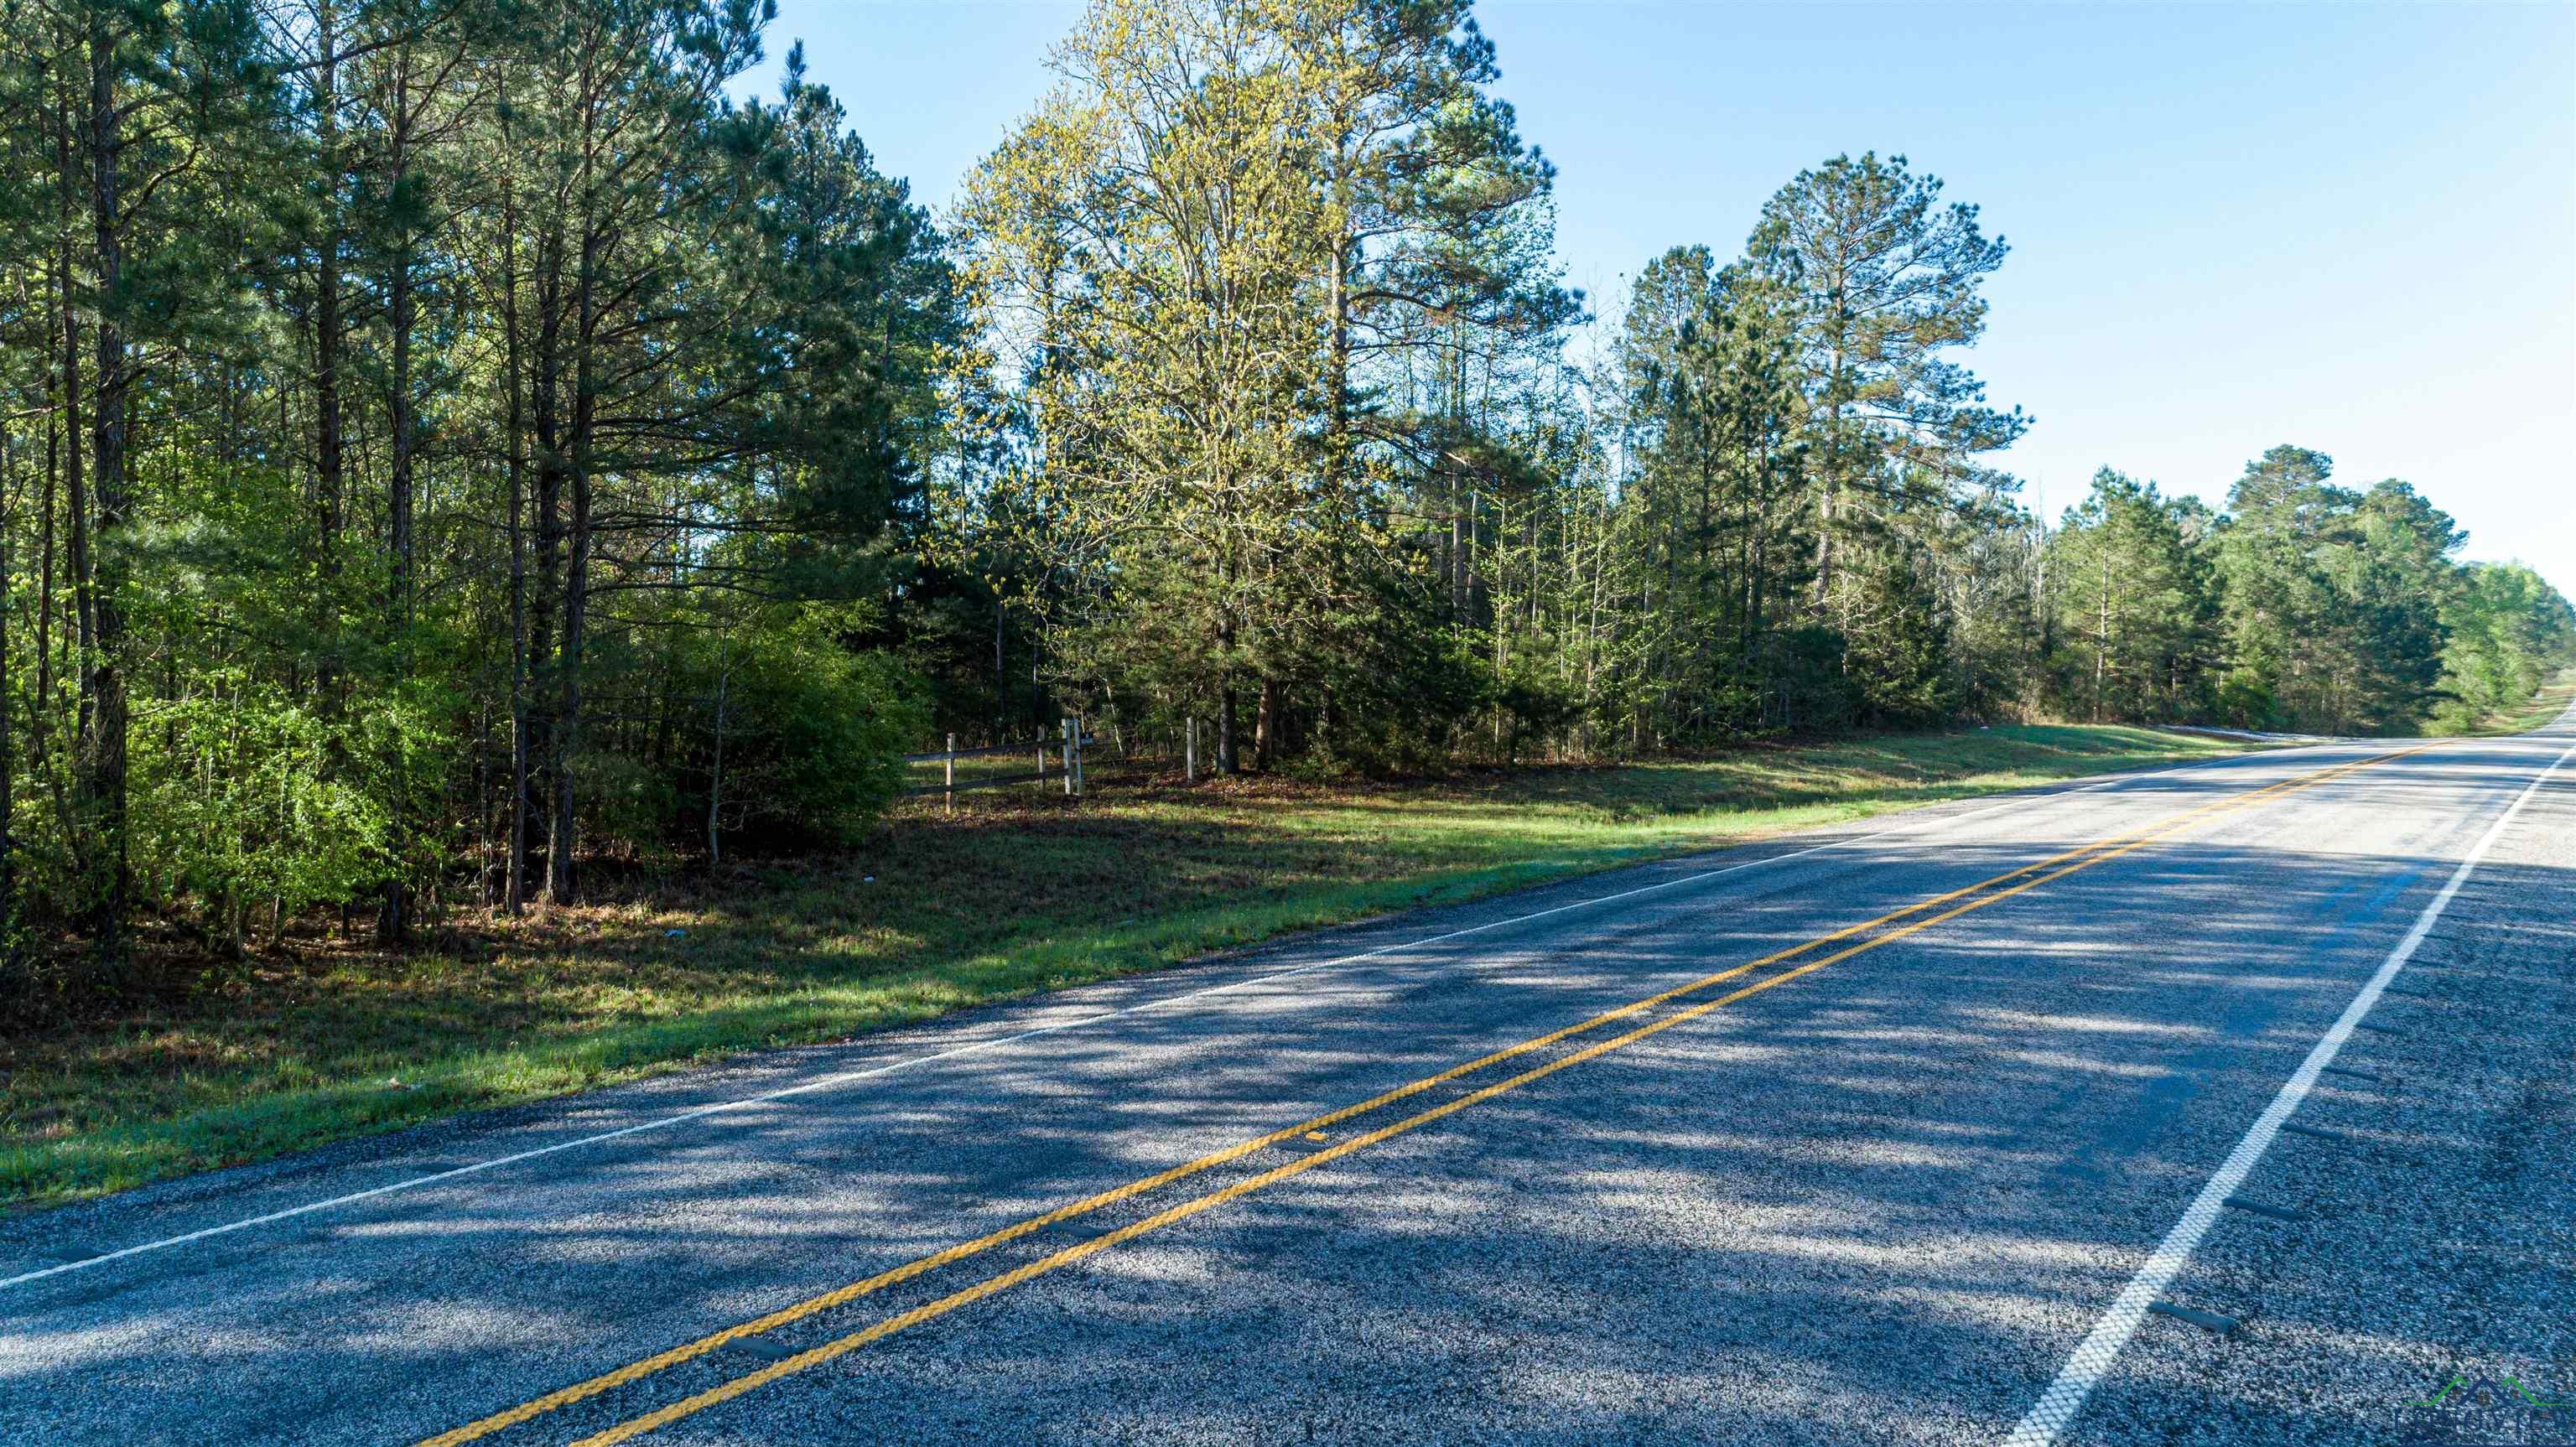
(2351, 227)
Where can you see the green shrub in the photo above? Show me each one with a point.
(813, 731)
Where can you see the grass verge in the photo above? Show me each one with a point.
(2544, 708)
(320, 1041)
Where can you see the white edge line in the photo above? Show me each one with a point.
(2092, 1359)
(827, 1082)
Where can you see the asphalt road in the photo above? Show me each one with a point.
(1912, 1177)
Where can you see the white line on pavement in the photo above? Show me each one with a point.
(846, 1077)
(2092, 1359)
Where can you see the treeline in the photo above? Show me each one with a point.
(2304, 606)
(1280, 415)
(447, 446)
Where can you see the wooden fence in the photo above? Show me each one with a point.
(1059, 757)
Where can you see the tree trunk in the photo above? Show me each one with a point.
(2102, 635)
(715, 780)
(394, 923)
(1833, 461)
(546, 403)
(105, 754)
(75, 487)
(328, 444)
(1824, 545)
(514, 894)
(1265, 726)
(54, 452)
(1225, 760)
(8, 745)
(1337, 441)
(399, 289)
(567, 719)
(576, 605)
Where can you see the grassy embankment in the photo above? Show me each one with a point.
(1022, 891)
(2544, 708)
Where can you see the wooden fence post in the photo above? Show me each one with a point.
(1068, 758)
(1190, 752)
(952, 774)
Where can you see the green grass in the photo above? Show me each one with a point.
(1019, 892)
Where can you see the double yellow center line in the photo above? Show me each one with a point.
(1919, 916)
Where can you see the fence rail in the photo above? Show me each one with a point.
(1059, 758)
(996, 751)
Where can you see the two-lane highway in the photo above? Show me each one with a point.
(1921, 1132)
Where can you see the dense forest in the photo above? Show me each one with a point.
(448, 443)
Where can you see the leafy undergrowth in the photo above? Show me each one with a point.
(323, 1040)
